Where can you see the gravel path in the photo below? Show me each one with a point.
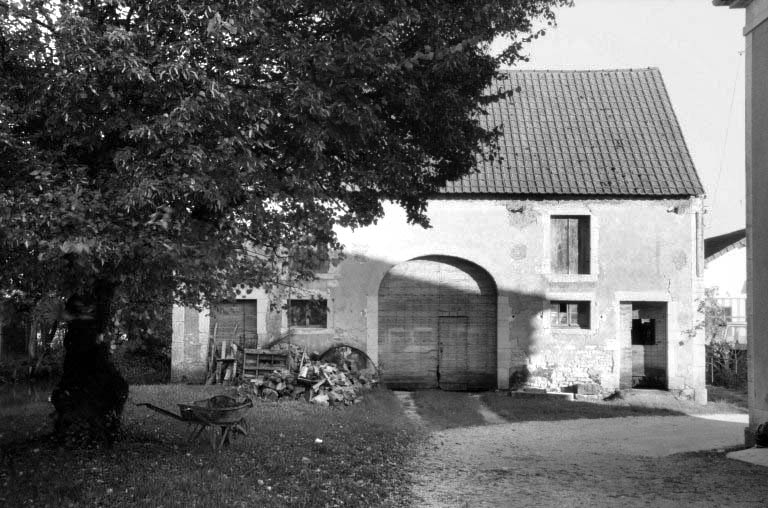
(630, 461)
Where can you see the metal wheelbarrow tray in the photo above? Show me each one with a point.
(217, 413)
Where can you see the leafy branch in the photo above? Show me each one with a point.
(30, 16)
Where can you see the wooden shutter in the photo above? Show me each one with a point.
(559, 236)
(584, 243)
(573, 314)
(570, 244)
(573, 245)
(554, 314)
(583, 317)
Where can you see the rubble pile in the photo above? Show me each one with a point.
(334, 382)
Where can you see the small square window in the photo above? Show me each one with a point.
(569, 314)
(308, 313)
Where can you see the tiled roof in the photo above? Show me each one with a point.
(574, 133)
(718, 245)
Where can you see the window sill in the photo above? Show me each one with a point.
(571, 277)
(571, 331)
(309, 330)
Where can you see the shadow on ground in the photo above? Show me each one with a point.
(446, 410)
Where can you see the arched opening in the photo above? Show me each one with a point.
(437, 325)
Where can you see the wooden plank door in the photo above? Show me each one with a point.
(235, 323)
(452, 352)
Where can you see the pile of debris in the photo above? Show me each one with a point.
(333, 382)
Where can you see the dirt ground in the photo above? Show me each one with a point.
(656, 460)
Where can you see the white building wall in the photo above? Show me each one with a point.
(645, 248)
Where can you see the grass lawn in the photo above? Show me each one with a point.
(719, 395)
(362, 460)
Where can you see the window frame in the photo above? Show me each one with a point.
(320, 303)
(577, 313)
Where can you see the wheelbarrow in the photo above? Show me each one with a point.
(221, 413)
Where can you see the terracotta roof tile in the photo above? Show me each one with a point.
(606, 133)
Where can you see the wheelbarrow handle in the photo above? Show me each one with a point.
(161, 410)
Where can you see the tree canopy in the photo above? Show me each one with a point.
(171, 149)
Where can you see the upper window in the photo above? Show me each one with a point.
(570, 244)
(308, 313)
(569, 314)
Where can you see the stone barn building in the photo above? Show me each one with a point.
(575, 258)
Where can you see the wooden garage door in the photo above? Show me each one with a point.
(437, 325)
(235, 322)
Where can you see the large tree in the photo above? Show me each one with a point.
(160, 150)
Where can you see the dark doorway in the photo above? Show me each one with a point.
(644, 344)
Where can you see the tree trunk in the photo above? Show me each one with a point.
(32, 340)
(90, 397)
(47, 340)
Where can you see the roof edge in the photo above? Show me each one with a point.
(725, 250)
(550, 196)
(698, 183)
(626, 69)
(733, 4)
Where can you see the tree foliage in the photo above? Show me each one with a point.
(170, 149)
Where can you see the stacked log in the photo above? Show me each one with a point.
(280, 383)
(316, 381)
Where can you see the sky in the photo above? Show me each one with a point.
(699, 50)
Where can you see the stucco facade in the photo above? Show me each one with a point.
(640, 251)
(756, 164)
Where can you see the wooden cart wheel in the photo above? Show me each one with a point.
(241, 427)
(197, 429)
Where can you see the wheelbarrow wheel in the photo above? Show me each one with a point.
(218, 442)
(241, 427)
(195, 431)
(228, 432)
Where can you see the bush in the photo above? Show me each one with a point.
(141, 365)
(726, 365)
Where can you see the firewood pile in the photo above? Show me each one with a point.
(337, 381)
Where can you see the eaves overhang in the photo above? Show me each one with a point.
(733, 4)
